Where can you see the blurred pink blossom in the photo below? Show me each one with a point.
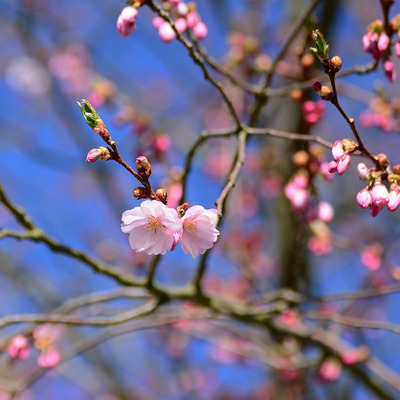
(126, 21)
(18, 348)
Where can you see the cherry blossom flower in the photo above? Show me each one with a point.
(151, 227)
(198, 230)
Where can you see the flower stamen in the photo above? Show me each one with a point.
(154, 225)
(189, 225)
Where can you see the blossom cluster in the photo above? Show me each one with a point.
(185, 17)
(341, 156)
(377, 42)
(375, 195)
(155, 228)
(42, 338)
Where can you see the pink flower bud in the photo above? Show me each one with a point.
(157, 22)
(19, 348)
(362, 171)
(126, 21)
(394, 198)
(380, 195)
(200, 30)
(330, 370)
(101, 153)
(390, 72)
(192, 19)
(325, 211)
(337, 150)
(343, 163)
(364, 198)
(166, 32)
(383, 42)
(366, 41)
(49, 358)
(332, 167)
(180, 25)
(397, 48)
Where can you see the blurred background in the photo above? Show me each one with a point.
(155, 102)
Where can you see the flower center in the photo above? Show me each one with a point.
(189, 225)
(154, 225)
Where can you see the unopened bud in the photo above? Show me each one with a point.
(383, 161)
(321, 48)
(141, 193)
(336, 63)
(162, 195)
(89, 113)
(325, 93)
(317, 86)
(349, 145)
(182, 209)
(101, 153)
(396, 169)
(143, 167)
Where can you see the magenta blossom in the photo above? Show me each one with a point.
(198, 230)
(151, 227)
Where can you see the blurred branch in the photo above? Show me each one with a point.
(197, 58)
(35, 234)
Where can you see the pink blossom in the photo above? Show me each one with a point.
(330, 370)
(126, 21)
(151, 227)
(362, 171)
(200, 30)
(192, 19)
(332, 167)
(343, 163)
(364, 198)
(166, 32)
(323, 169)
(390, 72)
(319, 246)
(380, 195)
(337, 150)
(157, 21)
(49, 358)
(198, 230)
(325, 211)
(181, 25)
(394, 197)
(397, 48)
(383, 42)
(371, 256)
(19, 348)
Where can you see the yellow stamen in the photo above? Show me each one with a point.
(189, 225)
(154, 225)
